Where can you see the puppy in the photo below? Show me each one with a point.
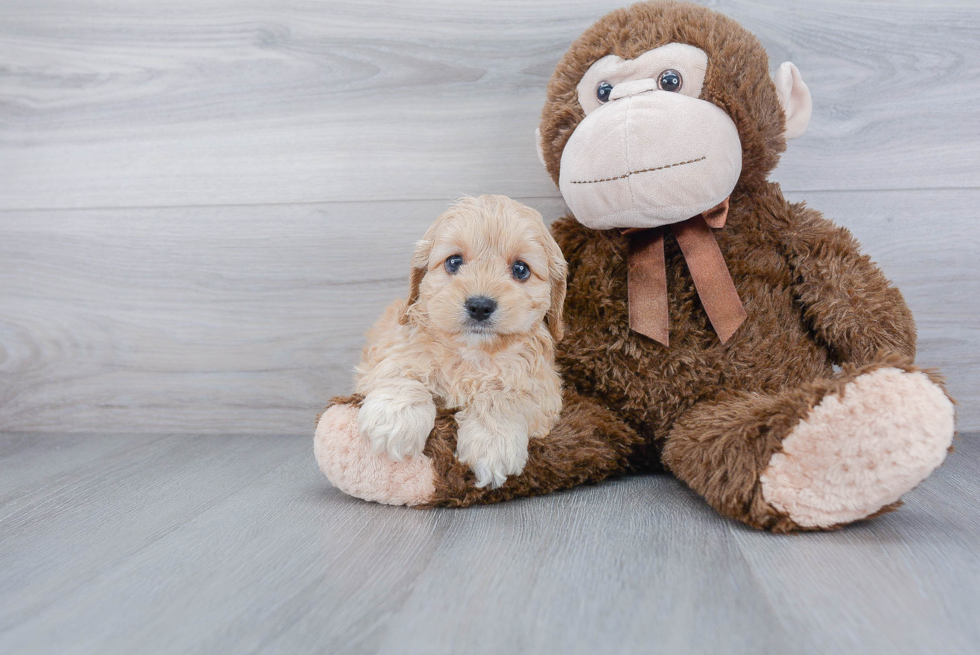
(475, 335)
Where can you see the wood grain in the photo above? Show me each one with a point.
(216, 102)
(908, 582)
(660, 574)
(204, 544)
(66, 529)
(236, 319)
(246, 319)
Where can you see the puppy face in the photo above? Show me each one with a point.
(487, 268)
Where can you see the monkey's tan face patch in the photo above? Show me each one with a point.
(690, 62)
(649, 152)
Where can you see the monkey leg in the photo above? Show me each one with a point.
(588, 444)
(818, 456)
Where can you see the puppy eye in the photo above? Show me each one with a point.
(453, 262)
(603, 90)
(669, 80)
(520, 271)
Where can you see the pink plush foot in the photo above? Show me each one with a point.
(855, 454)
(346, 459)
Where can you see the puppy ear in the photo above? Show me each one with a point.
(420, 260)
(420, 263)
(557, 275)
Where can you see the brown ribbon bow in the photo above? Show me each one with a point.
(648, 276)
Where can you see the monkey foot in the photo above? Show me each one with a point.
(345, 457)
(862, 450)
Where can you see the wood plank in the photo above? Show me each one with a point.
(636, 565)
(245, 319)
(288, 564)
(67, 528)
(276, 560)
(908, 582)
(215, 102)
(233, 579)
(235, 319)
(28, 459)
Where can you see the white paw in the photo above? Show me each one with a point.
(397, 420)
(855, 454)
(492, 453)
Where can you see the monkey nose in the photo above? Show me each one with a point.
(632, 88)
(480, 307)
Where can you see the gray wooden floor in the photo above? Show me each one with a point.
(204, 204)
(227, 544)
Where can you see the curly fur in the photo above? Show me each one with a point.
(498, 374)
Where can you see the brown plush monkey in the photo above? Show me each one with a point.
(705, 314)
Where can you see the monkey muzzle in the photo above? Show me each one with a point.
(649, 158)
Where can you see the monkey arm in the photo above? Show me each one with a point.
(588, 444)
(847, 301)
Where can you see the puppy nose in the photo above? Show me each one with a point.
(480, 307)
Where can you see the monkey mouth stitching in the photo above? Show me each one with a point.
(645, 170)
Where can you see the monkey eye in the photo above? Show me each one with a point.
(453, 262)
(603, 90)
(669, 80)
(520, 271)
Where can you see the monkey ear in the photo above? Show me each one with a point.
(794, 97)
(540, 144)
(420, 262)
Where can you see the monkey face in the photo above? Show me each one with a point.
(660, 110)
(649, 151)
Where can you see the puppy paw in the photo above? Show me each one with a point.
(492, 454)
(397, 420)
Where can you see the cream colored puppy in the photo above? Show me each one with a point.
(475, 335)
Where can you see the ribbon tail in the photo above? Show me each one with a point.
(711, 277)
(647, 281)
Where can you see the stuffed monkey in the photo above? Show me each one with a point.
(712, 328)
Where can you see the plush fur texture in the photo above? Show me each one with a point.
(350, 465)
(589, 445)
(725, 449)
(498, 371)
(697, 156)
(860, 449)
(747, 424)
